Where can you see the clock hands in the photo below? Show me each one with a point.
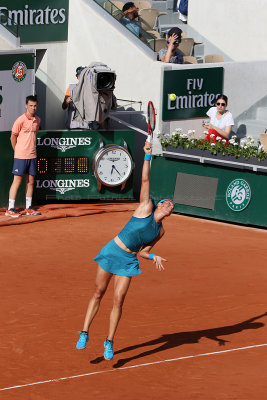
(117, 170)
(113, 167)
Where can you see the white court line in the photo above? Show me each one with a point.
(133, 366)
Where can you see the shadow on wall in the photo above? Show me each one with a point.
(40, 90)
(138, 120)
(131, 116)
(251, 114)
(50, 99)
(49, 107)
(241, 131)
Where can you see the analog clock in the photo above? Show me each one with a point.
(112, 165)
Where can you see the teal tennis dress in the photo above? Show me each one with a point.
(138, 232)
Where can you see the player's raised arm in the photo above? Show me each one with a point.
(144, 192)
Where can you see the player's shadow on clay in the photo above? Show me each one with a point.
(169, 341)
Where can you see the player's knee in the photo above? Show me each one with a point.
(118, 300)
(99, 293)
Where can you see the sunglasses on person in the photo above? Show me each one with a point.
(221, 104)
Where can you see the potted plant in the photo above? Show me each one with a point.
(244, 152)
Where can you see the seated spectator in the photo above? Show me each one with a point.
(130, 12)
(221, 121)
(68, 104)
(170, 53)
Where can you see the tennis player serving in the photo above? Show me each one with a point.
(119, 257)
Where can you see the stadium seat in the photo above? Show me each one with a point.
(142, 4)
(190, 60)
(159, 44)
(155, 34)
(112, 9)
(263, 141)
(118, 4)
(186, 46)
(108, 6)
(213, 58)
(118, 14)
(148, 18)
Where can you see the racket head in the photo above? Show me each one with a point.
(151, 116)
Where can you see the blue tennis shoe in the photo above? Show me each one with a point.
(81, 344)
(108, 353)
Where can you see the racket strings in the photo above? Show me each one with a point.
(151, 116)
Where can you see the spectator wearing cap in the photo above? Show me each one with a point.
(69, 105)
(170, 53)
(130, 12)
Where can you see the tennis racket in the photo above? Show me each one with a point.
(151, 117)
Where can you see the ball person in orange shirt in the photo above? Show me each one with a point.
(23, 140)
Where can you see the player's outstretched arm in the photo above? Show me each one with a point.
(145, 206)
(144, 192)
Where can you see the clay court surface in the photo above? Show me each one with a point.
(195, 331)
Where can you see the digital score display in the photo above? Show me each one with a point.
(63, 165)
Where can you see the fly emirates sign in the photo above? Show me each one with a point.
(189, 93)
(37, 20)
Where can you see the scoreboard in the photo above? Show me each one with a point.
(65, 165)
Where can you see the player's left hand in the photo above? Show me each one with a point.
(158, 261)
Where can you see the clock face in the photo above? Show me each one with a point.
(113, 165)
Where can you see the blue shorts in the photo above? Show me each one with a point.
(117, 261)
(22, 167)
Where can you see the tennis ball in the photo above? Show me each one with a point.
(172, 96)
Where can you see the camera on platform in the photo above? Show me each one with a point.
(93, 96)
(105, 80)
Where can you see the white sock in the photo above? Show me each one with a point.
(28, 202)
(11, 204)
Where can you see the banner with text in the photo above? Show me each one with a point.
(37, 21)
(16, 82)
(190, 93)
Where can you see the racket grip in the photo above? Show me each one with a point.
(149, 138)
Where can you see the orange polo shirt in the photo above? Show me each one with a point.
(26, 128)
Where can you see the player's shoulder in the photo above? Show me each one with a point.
(144, 209)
